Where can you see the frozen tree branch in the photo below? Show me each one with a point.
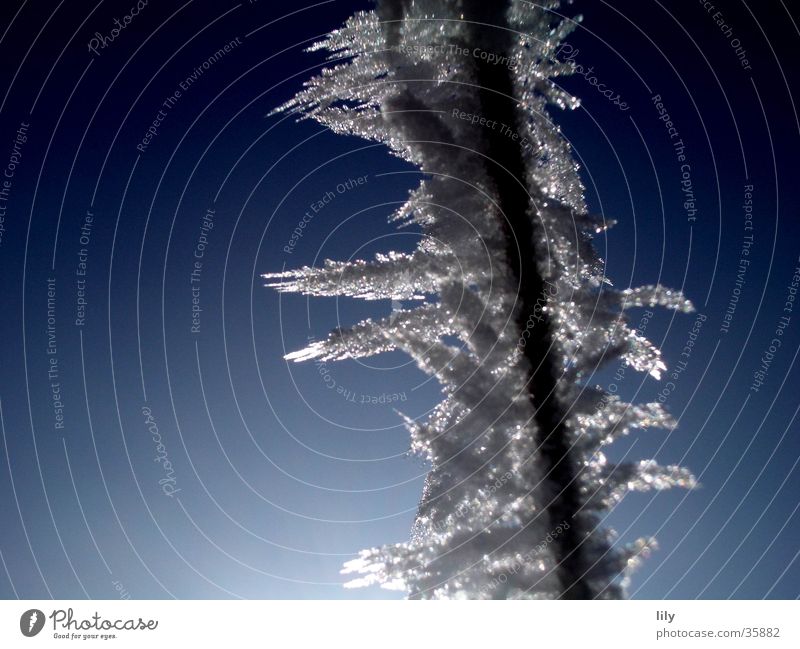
(510, 507)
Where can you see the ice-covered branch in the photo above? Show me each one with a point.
(506, 264)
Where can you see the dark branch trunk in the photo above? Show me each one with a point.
(507, 169)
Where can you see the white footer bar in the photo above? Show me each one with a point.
(385, 625)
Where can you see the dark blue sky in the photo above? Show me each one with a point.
(279, 473)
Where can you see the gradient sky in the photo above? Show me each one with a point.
(281, 472)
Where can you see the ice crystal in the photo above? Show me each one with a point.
(511, 506)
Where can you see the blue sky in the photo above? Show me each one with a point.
(199, 464)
